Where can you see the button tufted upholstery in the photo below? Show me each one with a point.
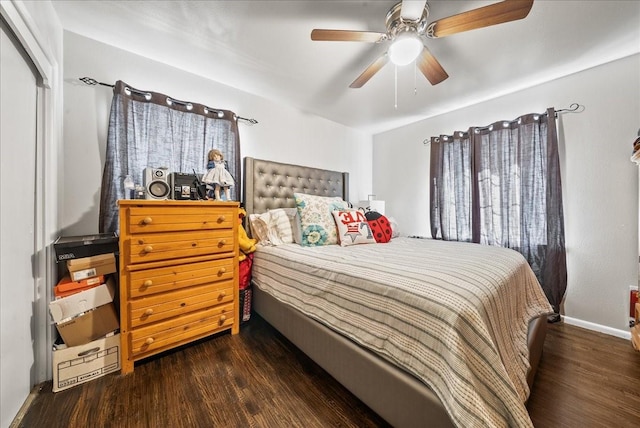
(270, 185)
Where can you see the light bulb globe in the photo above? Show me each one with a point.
(405, 49)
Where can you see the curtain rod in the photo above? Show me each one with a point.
(92, 82)
(573, 108)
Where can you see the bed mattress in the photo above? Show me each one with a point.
(454, 315)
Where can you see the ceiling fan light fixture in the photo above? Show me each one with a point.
(405, 48)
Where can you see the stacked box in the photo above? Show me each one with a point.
(84, 310)
(66, 287)
(87, 267)
(77, 247)
(87, 315)
(79, 364)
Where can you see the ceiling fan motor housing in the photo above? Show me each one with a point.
(396, 24)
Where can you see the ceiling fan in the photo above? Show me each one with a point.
(408, 29)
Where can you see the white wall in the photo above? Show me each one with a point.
(600, 183)
(283, 134)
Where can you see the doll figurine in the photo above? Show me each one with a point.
(217, 176)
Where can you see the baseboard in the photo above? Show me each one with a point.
(624, 334)
(17, 420)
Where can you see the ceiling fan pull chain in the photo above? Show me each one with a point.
(396, 86)
(415, 78)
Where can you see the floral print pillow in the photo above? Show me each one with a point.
(316, 218)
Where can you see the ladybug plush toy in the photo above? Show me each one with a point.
(379, 225)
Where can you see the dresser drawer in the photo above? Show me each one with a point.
(156, 308)
(168, 219)
(151, 281)
(167, 333)
(165, 246)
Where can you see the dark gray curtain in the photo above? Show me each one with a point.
(500, 185)
(149, 129)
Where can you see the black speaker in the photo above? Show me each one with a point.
(156, 183)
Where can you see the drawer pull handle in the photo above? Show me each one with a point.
(147, 283)
(183, 304)
(222, 270)
(221, 219)
(221, 295)
(147, 220)
(140, 241)
(223, 318)
(222, 243)
(148, 249)
(149, 340)
(148, 312)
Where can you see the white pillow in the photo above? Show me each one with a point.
(294, 219)
(282, 224)
(395, 231)
(353, 228)
(272, 227)
(261, 229)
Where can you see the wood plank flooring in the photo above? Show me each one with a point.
(259, 379)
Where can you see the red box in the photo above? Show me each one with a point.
(67, 287)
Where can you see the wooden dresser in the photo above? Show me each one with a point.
(178, 274)
(635, 330)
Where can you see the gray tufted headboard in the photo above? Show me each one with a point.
(269, 184)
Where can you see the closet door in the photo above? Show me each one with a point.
(18, 119)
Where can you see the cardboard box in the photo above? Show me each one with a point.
(79, 364)
(68, 307)
(76, 247)
(67, 287)
(87, 267)
(89, 326)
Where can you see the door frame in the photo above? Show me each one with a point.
(48, 138)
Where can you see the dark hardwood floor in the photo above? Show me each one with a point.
(259, 379)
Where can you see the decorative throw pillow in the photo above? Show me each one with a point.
(272, 227)
(353, 228)
(280, 221)
(316, 221)
(379, 225)
(259, 228)
(294, 219)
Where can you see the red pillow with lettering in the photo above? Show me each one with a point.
(353, 228)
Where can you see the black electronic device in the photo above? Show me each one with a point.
(184, 186)
(201, 188)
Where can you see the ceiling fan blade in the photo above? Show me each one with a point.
(430, 67)
(370, 71)
(412, 9)
(498, 13)
(347, 36)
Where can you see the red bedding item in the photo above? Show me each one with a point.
(379, 225)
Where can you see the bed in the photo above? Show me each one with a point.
(402, 390)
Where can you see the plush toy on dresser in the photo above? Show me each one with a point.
(247, 245)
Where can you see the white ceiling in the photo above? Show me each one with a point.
(264, 47)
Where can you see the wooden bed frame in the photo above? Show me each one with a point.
(398, 397)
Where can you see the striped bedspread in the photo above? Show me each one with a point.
(453, 314)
